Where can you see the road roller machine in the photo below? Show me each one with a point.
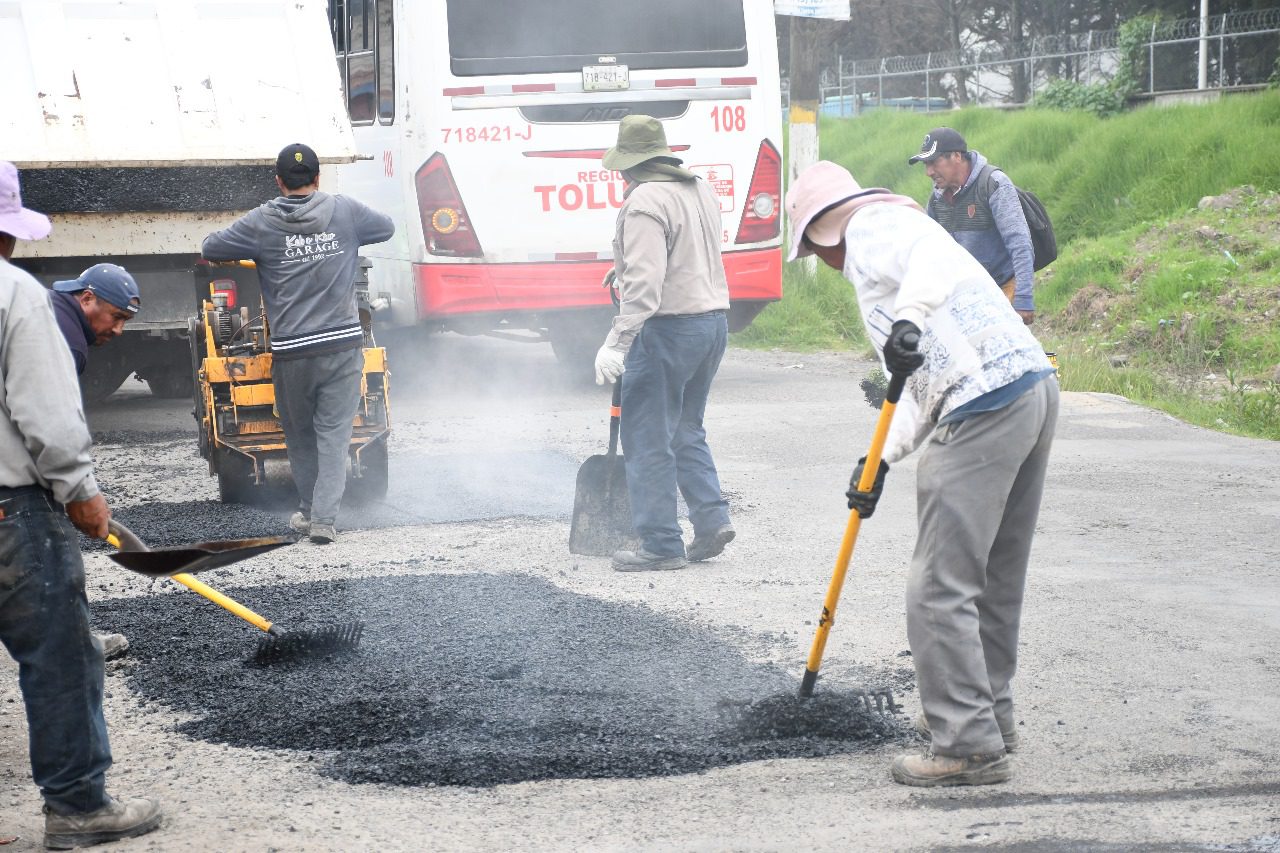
(240, 432)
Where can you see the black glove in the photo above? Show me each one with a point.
(902, 349)
(865, 502)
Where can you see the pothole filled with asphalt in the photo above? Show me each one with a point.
(484, 679)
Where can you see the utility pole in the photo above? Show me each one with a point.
(803, 115)
(1203, 82)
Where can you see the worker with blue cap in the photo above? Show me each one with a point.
(93, 308)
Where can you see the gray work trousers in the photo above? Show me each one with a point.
(978, 490)
(317, 397)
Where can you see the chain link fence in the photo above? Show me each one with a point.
(1240, 48)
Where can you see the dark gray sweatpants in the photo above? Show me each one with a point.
(978, 492)
(317, 397)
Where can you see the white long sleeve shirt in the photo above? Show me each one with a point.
(44, 439)
(905, 266)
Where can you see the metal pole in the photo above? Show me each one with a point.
(1151, 61)
(840, 82)
(928, 63)
(1222, 53)
(1202, 81)
(1088, 59)
(880, 103)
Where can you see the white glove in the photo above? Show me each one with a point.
(609, 364)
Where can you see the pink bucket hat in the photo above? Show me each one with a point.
(14, 218)
(818, 189)
(823, 200)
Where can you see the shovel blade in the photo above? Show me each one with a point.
(601, 508)
(199, 557)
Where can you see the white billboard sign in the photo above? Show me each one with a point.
(836, 10)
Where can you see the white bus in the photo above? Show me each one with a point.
(483, 122)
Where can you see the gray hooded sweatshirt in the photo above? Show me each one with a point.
(306, 250)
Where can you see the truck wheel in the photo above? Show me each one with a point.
(102, 376)
(235, 477)
(575, 338)
(170, 382)
(373, 485)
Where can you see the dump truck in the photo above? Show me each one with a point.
(141, 127)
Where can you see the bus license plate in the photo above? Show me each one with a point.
(600, 78)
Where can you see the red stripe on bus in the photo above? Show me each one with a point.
(465, 90)
(737, 81)
(534, 87)
(682, 81)
(449, 289)
(583, 153)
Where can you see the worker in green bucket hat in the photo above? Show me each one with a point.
(669, 337)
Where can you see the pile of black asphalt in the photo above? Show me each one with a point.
(482, 679)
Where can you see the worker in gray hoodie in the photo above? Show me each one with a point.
(306, 245)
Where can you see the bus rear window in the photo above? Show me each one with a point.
(520, 37)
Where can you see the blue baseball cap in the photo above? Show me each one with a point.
(109, 282)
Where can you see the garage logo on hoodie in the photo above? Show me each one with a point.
(299, 248)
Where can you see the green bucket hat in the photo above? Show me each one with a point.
(640, 138)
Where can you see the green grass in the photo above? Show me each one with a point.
(1150, 298)
(816, 312)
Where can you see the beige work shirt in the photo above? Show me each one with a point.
(666, 253)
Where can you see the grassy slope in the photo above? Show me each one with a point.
(1122, 193)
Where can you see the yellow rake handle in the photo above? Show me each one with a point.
(869, 470)
(212, 594)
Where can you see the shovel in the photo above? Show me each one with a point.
(601, 507)
(189, 559)
(279, 645)
(828, 616)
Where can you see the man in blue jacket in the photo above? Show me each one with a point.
(979, 207)
(93, 308)
(306, 245)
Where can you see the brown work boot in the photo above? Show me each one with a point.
(116, 820)
(710, 545)
(930, 770)
(921, 725)
(299, 522)
(323, 534)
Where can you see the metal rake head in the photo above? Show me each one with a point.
(293, 645)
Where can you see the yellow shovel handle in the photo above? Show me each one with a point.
(869, 470)
(213, 595)
(222, 601)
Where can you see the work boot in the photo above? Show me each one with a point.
(300, 523)
(323, 534)
(706, 547)
(921, 725)
(930, 770)
(643, 561)
(113, 645)
(114, 821)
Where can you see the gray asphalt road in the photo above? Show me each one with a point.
(1148, 695)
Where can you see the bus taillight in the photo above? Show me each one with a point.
(445, 223)
(761, 219)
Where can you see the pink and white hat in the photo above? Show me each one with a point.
(14, 218)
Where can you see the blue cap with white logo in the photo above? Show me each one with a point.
(109, 282)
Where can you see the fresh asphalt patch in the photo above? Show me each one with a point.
(482, 679)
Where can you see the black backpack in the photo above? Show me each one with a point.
(1043, 243)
